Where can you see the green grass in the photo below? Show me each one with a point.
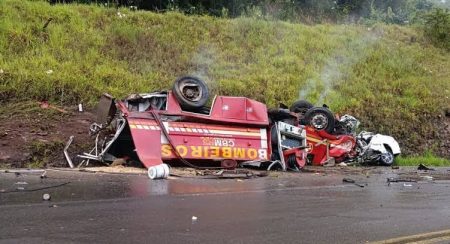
(43, 153)
(387, 76)
(427, 159)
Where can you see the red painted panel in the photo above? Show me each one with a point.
(147, 143)
(256, 111)
(172, 104)
(233, 108)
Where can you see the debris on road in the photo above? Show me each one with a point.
(423, 167)
(231, 174)
(392, 179)
(427, 177)
(352, 181)
(46, 197)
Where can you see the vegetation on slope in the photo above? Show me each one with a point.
(386, 75)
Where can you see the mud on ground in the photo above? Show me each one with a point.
(32, 135)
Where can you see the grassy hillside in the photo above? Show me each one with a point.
(387, 76)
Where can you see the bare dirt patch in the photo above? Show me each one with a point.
(32, 136)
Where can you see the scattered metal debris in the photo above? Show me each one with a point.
(66, 154)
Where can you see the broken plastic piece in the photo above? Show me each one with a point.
(158, 172)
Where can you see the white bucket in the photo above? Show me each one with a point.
(158, 172)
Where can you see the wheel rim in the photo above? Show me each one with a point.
(190, 90)
(319, 121)
(387, 158)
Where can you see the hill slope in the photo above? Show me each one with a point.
(387, 76)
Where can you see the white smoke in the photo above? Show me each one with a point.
(202, 63)
(337, 66)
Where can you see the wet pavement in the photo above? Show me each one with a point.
(313, 207)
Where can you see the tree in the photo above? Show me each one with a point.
(437, 28)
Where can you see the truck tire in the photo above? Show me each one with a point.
(191, 93)
(320, 119)
(300, 106)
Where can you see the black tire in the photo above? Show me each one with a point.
(387, 159)
(191, 92)
(320, 119)
(301, 106)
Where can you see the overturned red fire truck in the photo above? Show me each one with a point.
(177, 127)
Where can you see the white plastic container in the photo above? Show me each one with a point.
(158, 172)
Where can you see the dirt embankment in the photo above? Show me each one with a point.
(443, 138)
(32, 136)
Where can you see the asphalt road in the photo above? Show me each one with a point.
(289, 208)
